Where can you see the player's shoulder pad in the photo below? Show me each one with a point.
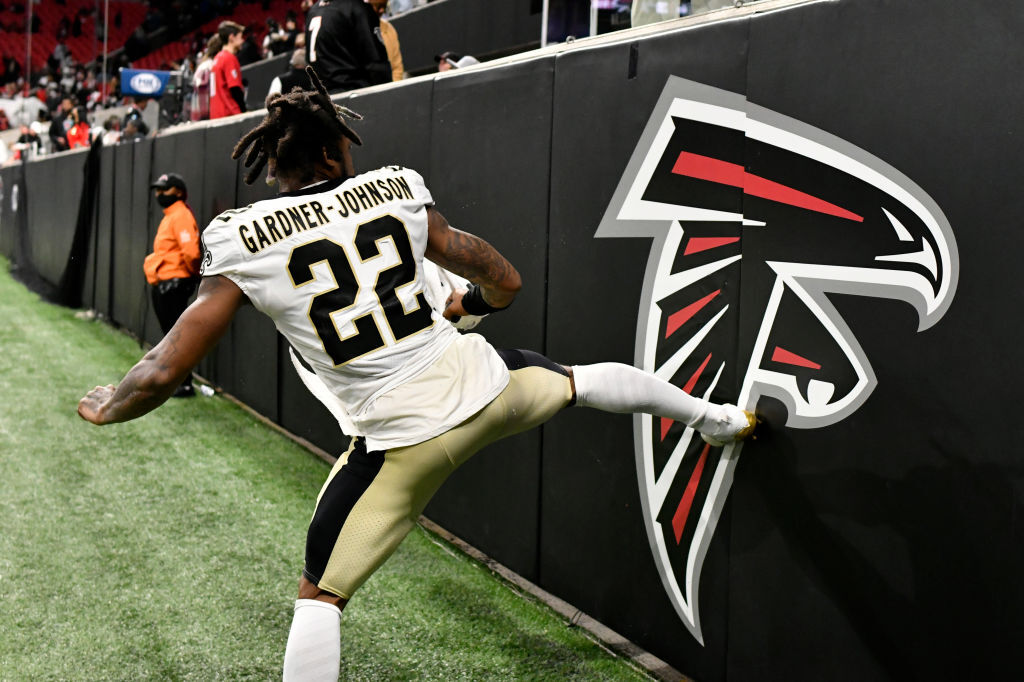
(219, 245)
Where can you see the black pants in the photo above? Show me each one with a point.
(170, 298)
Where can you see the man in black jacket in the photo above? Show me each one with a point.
(294, 77)
(343, 45)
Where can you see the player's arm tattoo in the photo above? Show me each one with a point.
(472, 257)
(155, 377)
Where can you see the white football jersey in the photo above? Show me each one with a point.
(338, 266)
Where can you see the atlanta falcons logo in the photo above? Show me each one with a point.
(757, 219)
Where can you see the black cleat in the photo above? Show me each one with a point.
(184, 391)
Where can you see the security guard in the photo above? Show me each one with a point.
(173, 267)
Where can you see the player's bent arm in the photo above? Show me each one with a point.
(155, 377)
(470, 256)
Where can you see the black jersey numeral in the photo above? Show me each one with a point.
(367, 337)
(403, 323)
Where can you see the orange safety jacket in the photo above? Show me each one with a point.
(176, 246)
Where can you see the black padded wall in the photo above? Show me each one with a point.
(466, 27)
(220, 187)
(254, 340)
(102, 257)
(396, 128)
(126, 293)
(8, 218)
(495, 185)
(144, 215)
(56, 184)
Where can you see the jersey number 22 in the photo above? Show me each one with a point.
(367, 337)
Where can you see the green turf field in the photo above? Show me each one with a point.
(169, 548)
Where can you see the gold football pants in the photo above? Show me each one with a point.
(371, 500)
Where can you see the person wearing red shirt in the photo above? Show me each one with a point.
(227, 96)
(78, 134)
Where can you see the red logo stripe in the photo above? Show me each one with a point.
(790, 358)
(666, 424)
(678, 319)
(683, 510)
(725, 173)
(698, 244)
(696, 375)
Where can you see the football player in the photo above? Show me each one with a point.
(336, 260)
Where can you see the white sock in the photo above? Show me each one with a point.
(313, 653)
(615, 387)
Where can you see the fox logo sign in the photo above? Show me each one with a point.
(756, 220)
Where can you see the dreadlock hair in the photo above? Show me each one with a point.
(298, 125)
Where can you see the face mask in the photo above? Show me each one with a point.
(165, 200)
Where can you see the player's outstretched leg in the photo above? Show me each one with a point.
(313, 653)
(615, 387)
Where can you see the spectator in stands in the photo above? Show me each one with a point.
(78, 134)
(291, 29)
(389, 36)
(173, 268)
(450, 60)
(83, 86)
(201, 80)
(111, 90)
(131, 132)
(343, 47)
(294, 76)
(29, 141)
(112, 130)
(136, 115)
(92, 94)
(137, 45)
(97, 130)
(5, 124)
(276, 40)
(11, 68)
(249, 52)
(40, 129)
(63, 28)
(227, 96)
(60, 57)
(53, 97)
(60, 125)
(67, 80)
